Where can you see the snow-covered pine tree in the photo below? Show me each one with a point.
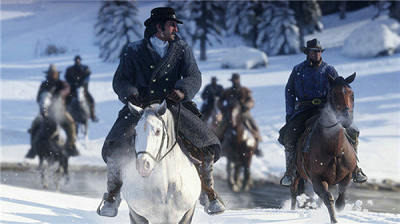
(308, 15)
(202, 20)
(312, 15)
(279, 33)
(243, 17)
(117, 25)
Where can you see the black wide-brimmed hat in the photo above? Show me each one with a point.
(235, 76)
(78, 58)
(313, 44)
(214, 78)
(160, 14)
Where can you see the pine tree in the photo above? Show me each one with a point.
(203, 19)
(279, 33)
(243, 17)
(117, 25)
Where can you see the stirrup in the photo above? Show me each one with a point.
(215, 207)
(360, 176)
(285, 180)
(103, 203)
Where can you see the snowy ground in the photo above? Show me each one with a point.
(25, 28)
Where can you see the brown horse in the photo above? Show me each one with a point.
(331, 158)
(239, 145)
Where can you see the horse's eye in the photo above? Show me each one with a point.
(158, 132)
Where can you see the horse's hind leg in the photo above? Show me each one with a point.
(135, 218)
(187, 218)
(321, 188)
(340, 201)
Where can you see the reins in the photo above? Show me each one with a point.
(158, 158)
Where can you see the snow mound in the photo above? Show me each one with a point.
(244, 58)
(373, 39)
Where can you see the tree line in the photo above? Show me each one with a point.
(274, 27)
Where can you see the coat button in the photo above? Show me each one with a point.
(165, 90)
(151, 91)
(154, 80)
(151, 66)
(168, 65)
(166, 79)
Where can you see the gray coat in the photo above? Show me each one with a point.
(142, 71)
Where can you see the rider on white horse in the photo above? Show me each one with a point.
(158, 67)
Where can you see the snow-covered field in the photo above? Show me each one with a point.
(27, 27)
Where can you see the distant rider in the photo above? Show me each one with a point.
(245, 98)
(210, 93)
(78, 76)
(56, 87)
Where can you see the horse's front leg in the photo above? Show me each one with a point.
(340, 201)
(42, 174)
(248, 183)
(294, 192)
(321, 189)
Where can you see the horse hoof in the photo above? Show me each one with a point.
(216, 207)
(236, 188)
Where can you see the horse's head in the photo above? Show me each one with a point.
(80, 94)
(234, 111)
(153, 135)
(341, 99)
(51, 105)
(45, 99)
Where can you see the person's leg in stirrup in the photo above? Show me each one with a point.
(209, 198)
(358, 175)
(112, 198)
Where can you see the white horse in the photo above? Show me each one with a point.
(161, 185)
(80, 111)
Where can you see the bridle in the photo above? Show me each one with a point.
(158, 158)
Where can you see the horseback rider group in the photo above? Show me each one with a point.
(76, 76)
(161, 67)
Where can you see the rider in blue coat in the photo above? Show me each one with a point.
(305, 93)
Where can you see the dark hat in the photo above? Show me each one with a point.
(160, 14)
(313, 44)
(235, 76)
(214, 78)
(77, 57)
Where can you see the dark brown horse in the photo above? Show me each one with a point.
(330, 158)
(239, 145)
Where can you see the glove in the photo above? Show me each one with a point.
(288, 116)
(135, 100)
(176, 95)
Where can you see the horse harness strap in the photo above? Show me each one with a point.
(158, 158)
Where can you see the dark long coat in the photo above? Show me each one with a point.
(142, 71)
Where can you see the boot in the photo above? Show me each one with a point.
(209, 198)
(287, 179)
(112, 199)
(31, 154)
(359, 176)
(258, 152)
(72, 150)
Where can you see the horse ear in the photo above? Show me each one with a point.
(331, 80)
(135, 110)
(351, 78)
(161, 109)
